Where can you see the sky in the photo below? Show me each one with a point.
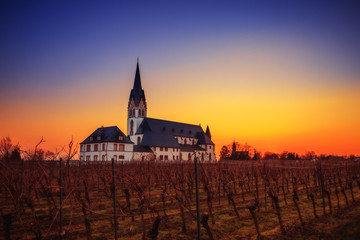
(278, 75)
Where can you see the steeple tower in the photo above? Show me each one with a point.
(137, 109)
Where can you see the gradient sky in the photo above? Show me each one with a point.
(277, 75)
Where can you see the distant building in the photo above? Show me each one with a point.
(149, 138)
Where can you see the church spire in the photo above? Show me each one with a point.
(137, 93)
(208, 132)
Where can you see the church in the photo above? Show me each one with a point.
(148, 138)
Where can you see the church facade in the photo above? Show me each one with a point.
(148, 138)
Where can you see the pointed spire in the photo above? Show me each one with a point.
(137, 93)
(208, 132)
(233, 152)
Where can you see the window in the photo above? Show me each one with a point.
(164, 129)
(81, 157)
(209, 156)
(189, 156)
(91, 138)
(103, 157)
(95, 157)
(182, 131)
(166, 157)
(96, 146)
(161, 148)
(173, 130)
(185, 141)
(115, 157)
(87, 158)
(180, 156)
(209, 147)
(121, 138)
(88, 148)
(121, 157)
(121, 147)
(161, 157)
(103, 146)
(138, 140)
(131, 127)
(98, 138)
(166, 149)
(189, 131)
(115, 147)
(202, 156)
(173, 157)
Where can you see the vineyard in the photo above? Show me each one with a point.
(155, 200)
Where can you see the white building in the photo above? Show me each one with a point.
(106, 143)
(151, 138)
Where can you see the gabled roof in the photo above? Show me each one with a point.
(107, 134)
(208, 132)
(137, 93)
(162, 133)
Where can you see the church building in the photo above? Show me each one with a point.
(148, 138)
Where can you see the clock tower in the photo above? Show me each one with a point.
(137, 109)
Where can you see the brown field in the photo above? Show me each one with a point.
(233, 195)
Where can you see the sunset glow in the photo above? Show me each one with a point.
(274, 87)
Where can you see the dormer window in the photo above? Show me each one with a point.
(98, 137)
(121, 138)
(91, 138)
(164, 129)
(173, 130)
(182, 131)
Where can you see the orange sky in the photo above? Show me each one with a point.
(258, 94)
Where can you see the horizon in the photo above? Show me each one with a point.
(279, 77)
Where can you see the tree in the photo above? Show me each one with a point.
(224, 153)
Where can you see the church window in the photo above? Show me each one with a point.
(96, 146)
(88, 148)
(121, 147)
(166, 157)
(138, 140)
(103, 146)
(131, 127)
(95, 157)
(115, 147)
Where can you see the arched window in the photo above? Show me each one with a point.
(131, 127)
(138, 140)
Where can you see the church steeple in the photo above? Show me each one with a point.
(137, 93)
(137, 109)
